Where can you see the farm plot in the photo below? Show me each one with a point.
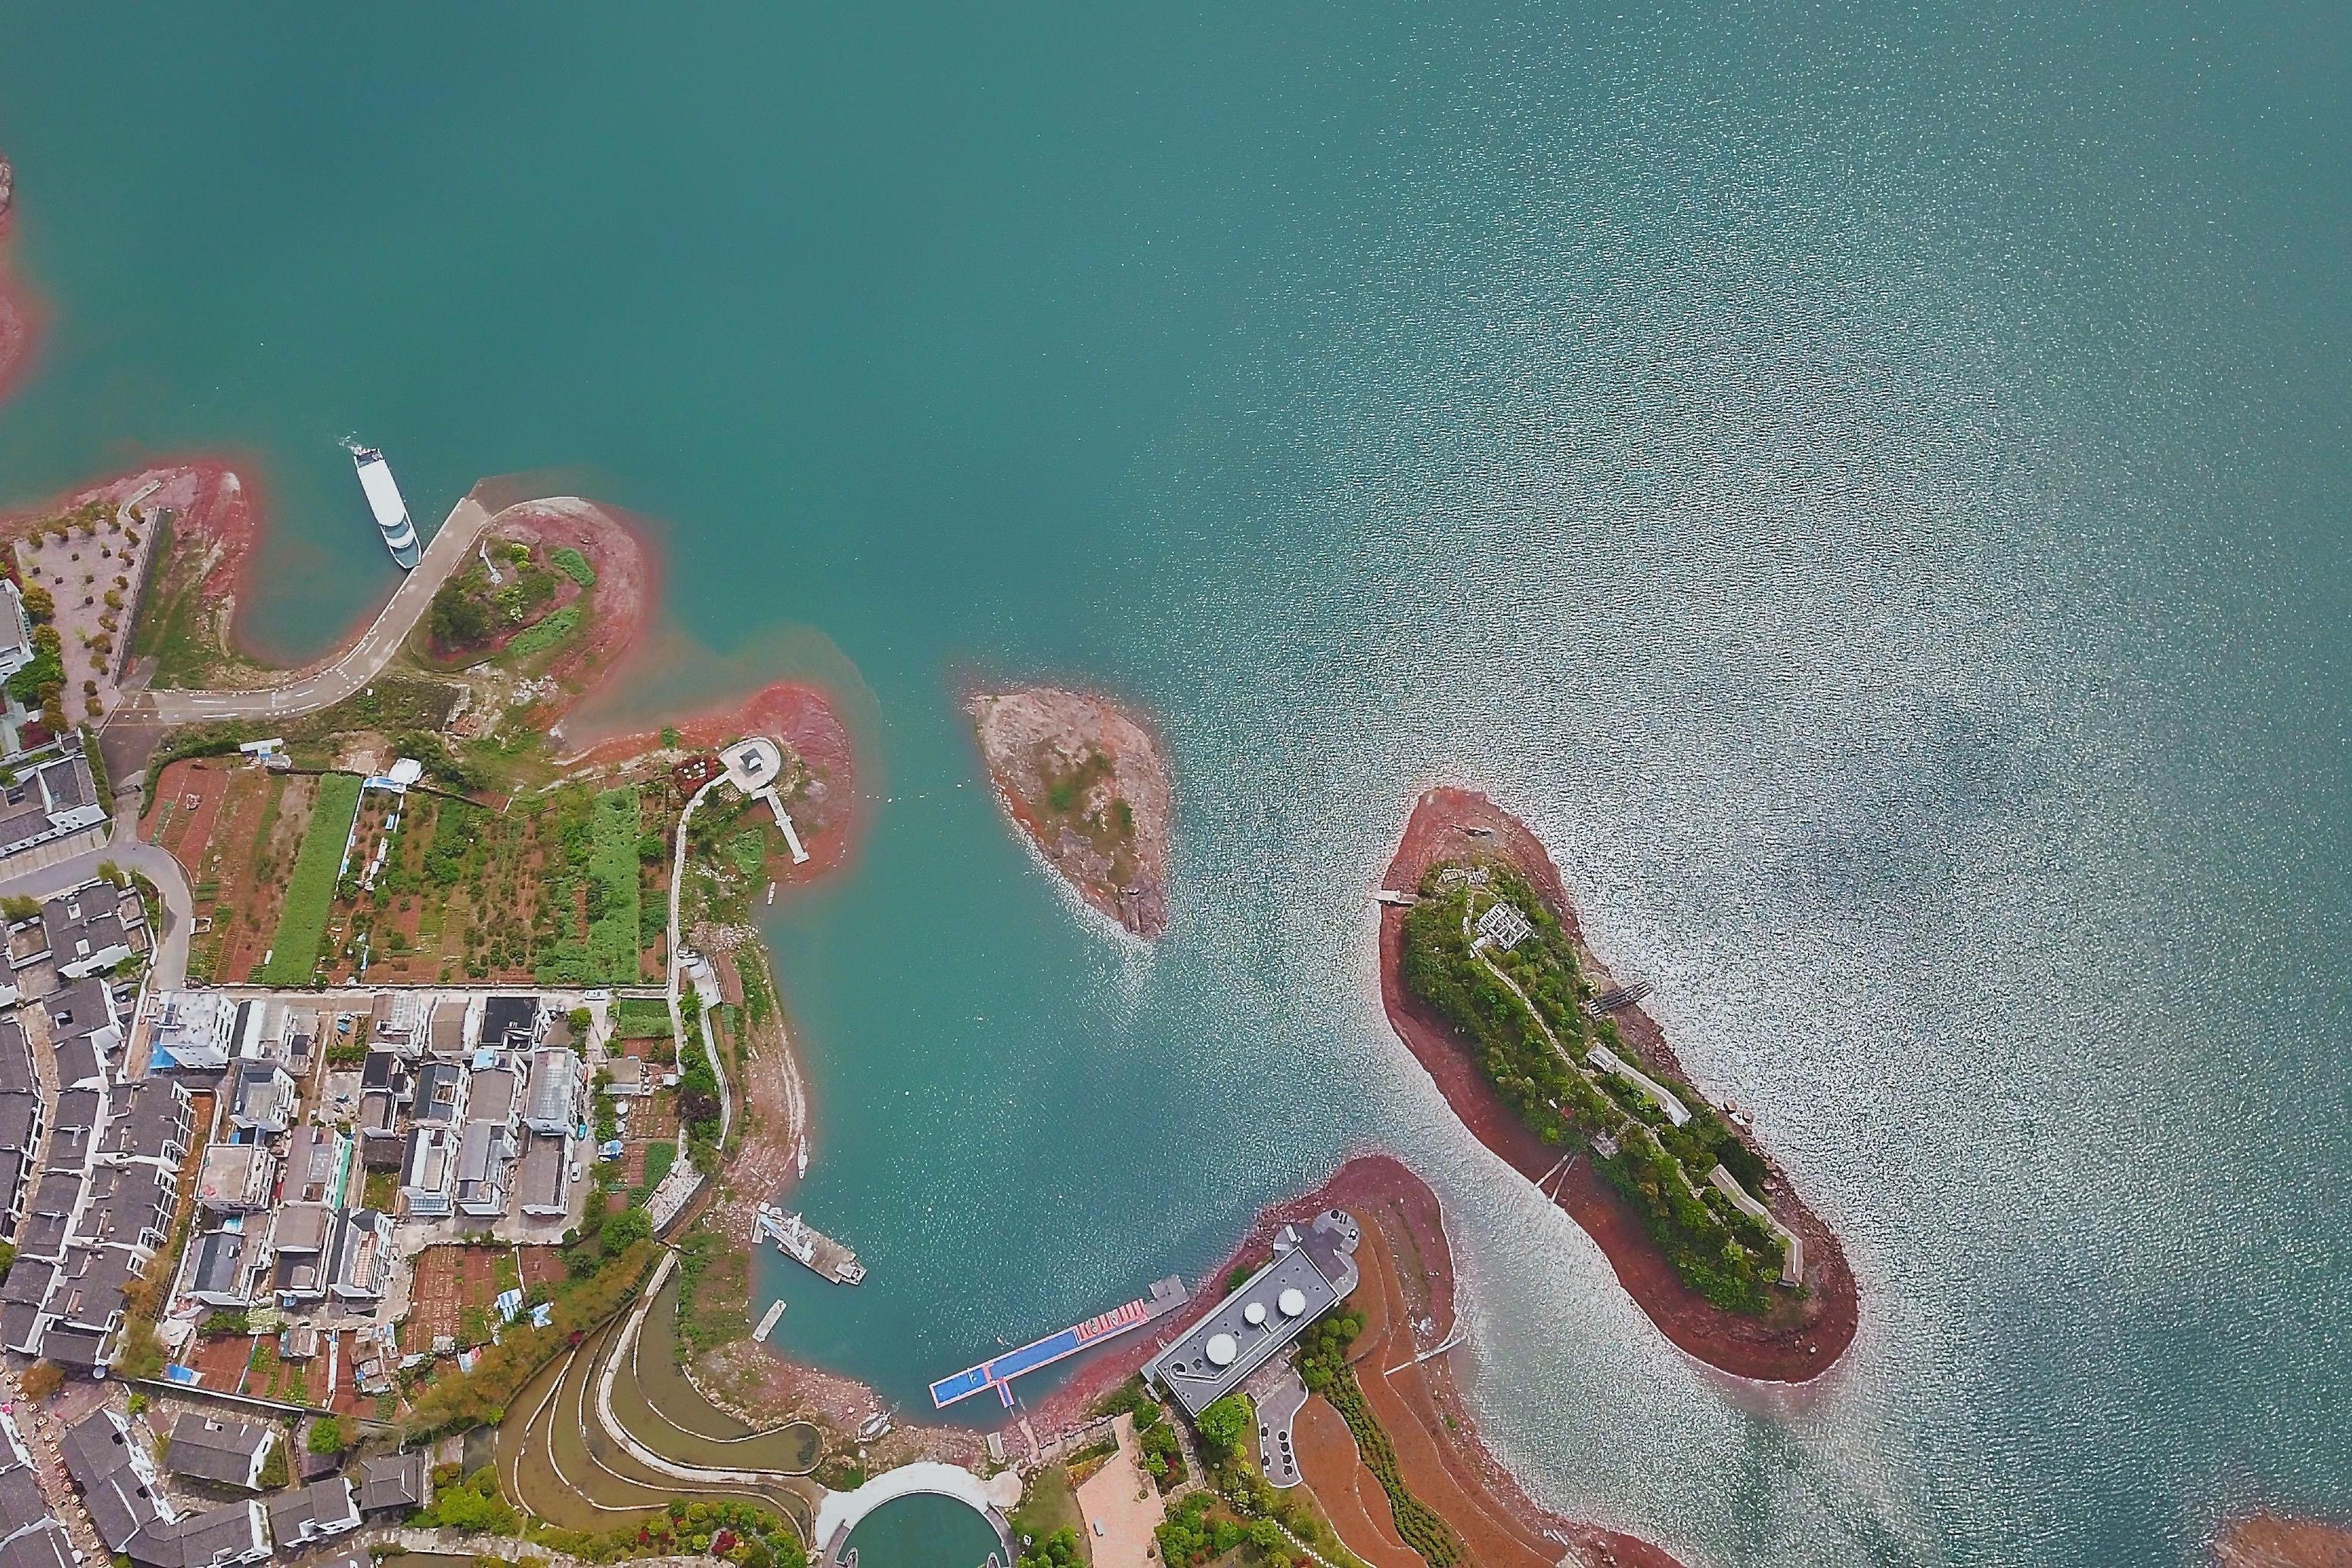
(551, 891)
(311, 891)
(233, 829)
(456, 1288)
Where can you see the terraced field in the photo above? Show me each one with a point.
(556, 1461)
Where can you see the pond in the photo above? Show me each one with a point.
(923, 1530)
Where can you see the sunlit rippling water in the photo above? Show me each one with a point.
(1868, 487)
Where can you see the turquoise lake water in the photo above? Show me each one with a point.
(1867, 482)
(922, 1531)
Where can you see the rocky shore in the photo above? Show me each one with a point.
(1794, 1345)
(1089, 785)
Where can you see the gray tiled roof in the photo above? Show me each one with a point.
(42, 1546)
(80, 1062)
(16, 1056)
(76, 1348)
(305, 1513)
(89, 1286)
(84, 1006)
(19, 1113)
(152, 1119)
(20, 1327)
(119, 1504)
(392, 1481)
(215, 1536)
(215, 1447)
(21, 1501)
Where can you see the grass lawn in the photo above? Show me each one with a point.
(303, 922)
(1052, 1504)
(640, 1017)
(613, 863)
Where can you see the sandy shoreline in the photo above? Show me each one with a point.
(1762, 1350)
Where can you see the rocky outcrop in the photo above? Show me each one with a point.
(1087, 782)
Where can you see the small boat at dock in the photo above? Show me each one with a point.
(383, 500)
(819, 1253)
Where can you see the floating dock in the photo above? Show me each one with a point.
(774, 1315)
(999, 1372)
(820, 1253)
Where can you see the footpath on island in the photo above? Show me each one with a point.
(1792, 1344)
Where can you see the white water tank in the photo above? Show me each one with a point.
(1292, 1301)
(1222, 1350)
(1254, 1314)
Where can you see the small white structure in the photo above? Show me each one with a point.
(753, 766)
(15, 630)
(1504, 926)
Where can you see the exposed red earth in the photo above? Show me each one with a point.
(1407, 1271)
(21, 316)
(2277, 1541)
(628, 585)
(1767, 1350)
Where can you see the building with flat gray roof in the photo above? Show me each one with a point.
(1312, 1271)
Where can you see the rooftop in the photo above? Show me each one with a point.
(1311, 1271)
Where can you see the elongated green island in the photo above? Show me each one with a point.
(1482, 949)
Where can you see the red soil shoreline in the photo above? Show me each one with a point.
(23, 320)
(2266, 1540)
(1366, 1180)
(1745, 1347)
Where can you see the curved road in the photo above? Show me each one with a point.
(353, 668)
(170, 971)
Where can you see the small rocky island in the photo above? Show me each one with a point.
(1086, 780)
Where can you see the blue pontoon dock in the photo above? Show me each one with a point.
(999, 1372)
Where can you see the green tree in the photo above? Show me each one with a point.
(327, 1437)
(458, 619)
(274, 1469)
(1224, 1424)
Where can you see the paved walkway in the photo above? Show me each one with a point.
(1122, 1505)
(677, 966)
(351, 669)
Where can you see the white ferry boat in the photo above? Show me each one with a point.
(796, 1239)
(383, 500)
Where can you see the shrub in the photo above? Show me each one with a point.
(1224, 1425)
(573, 565)
(546, 633)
